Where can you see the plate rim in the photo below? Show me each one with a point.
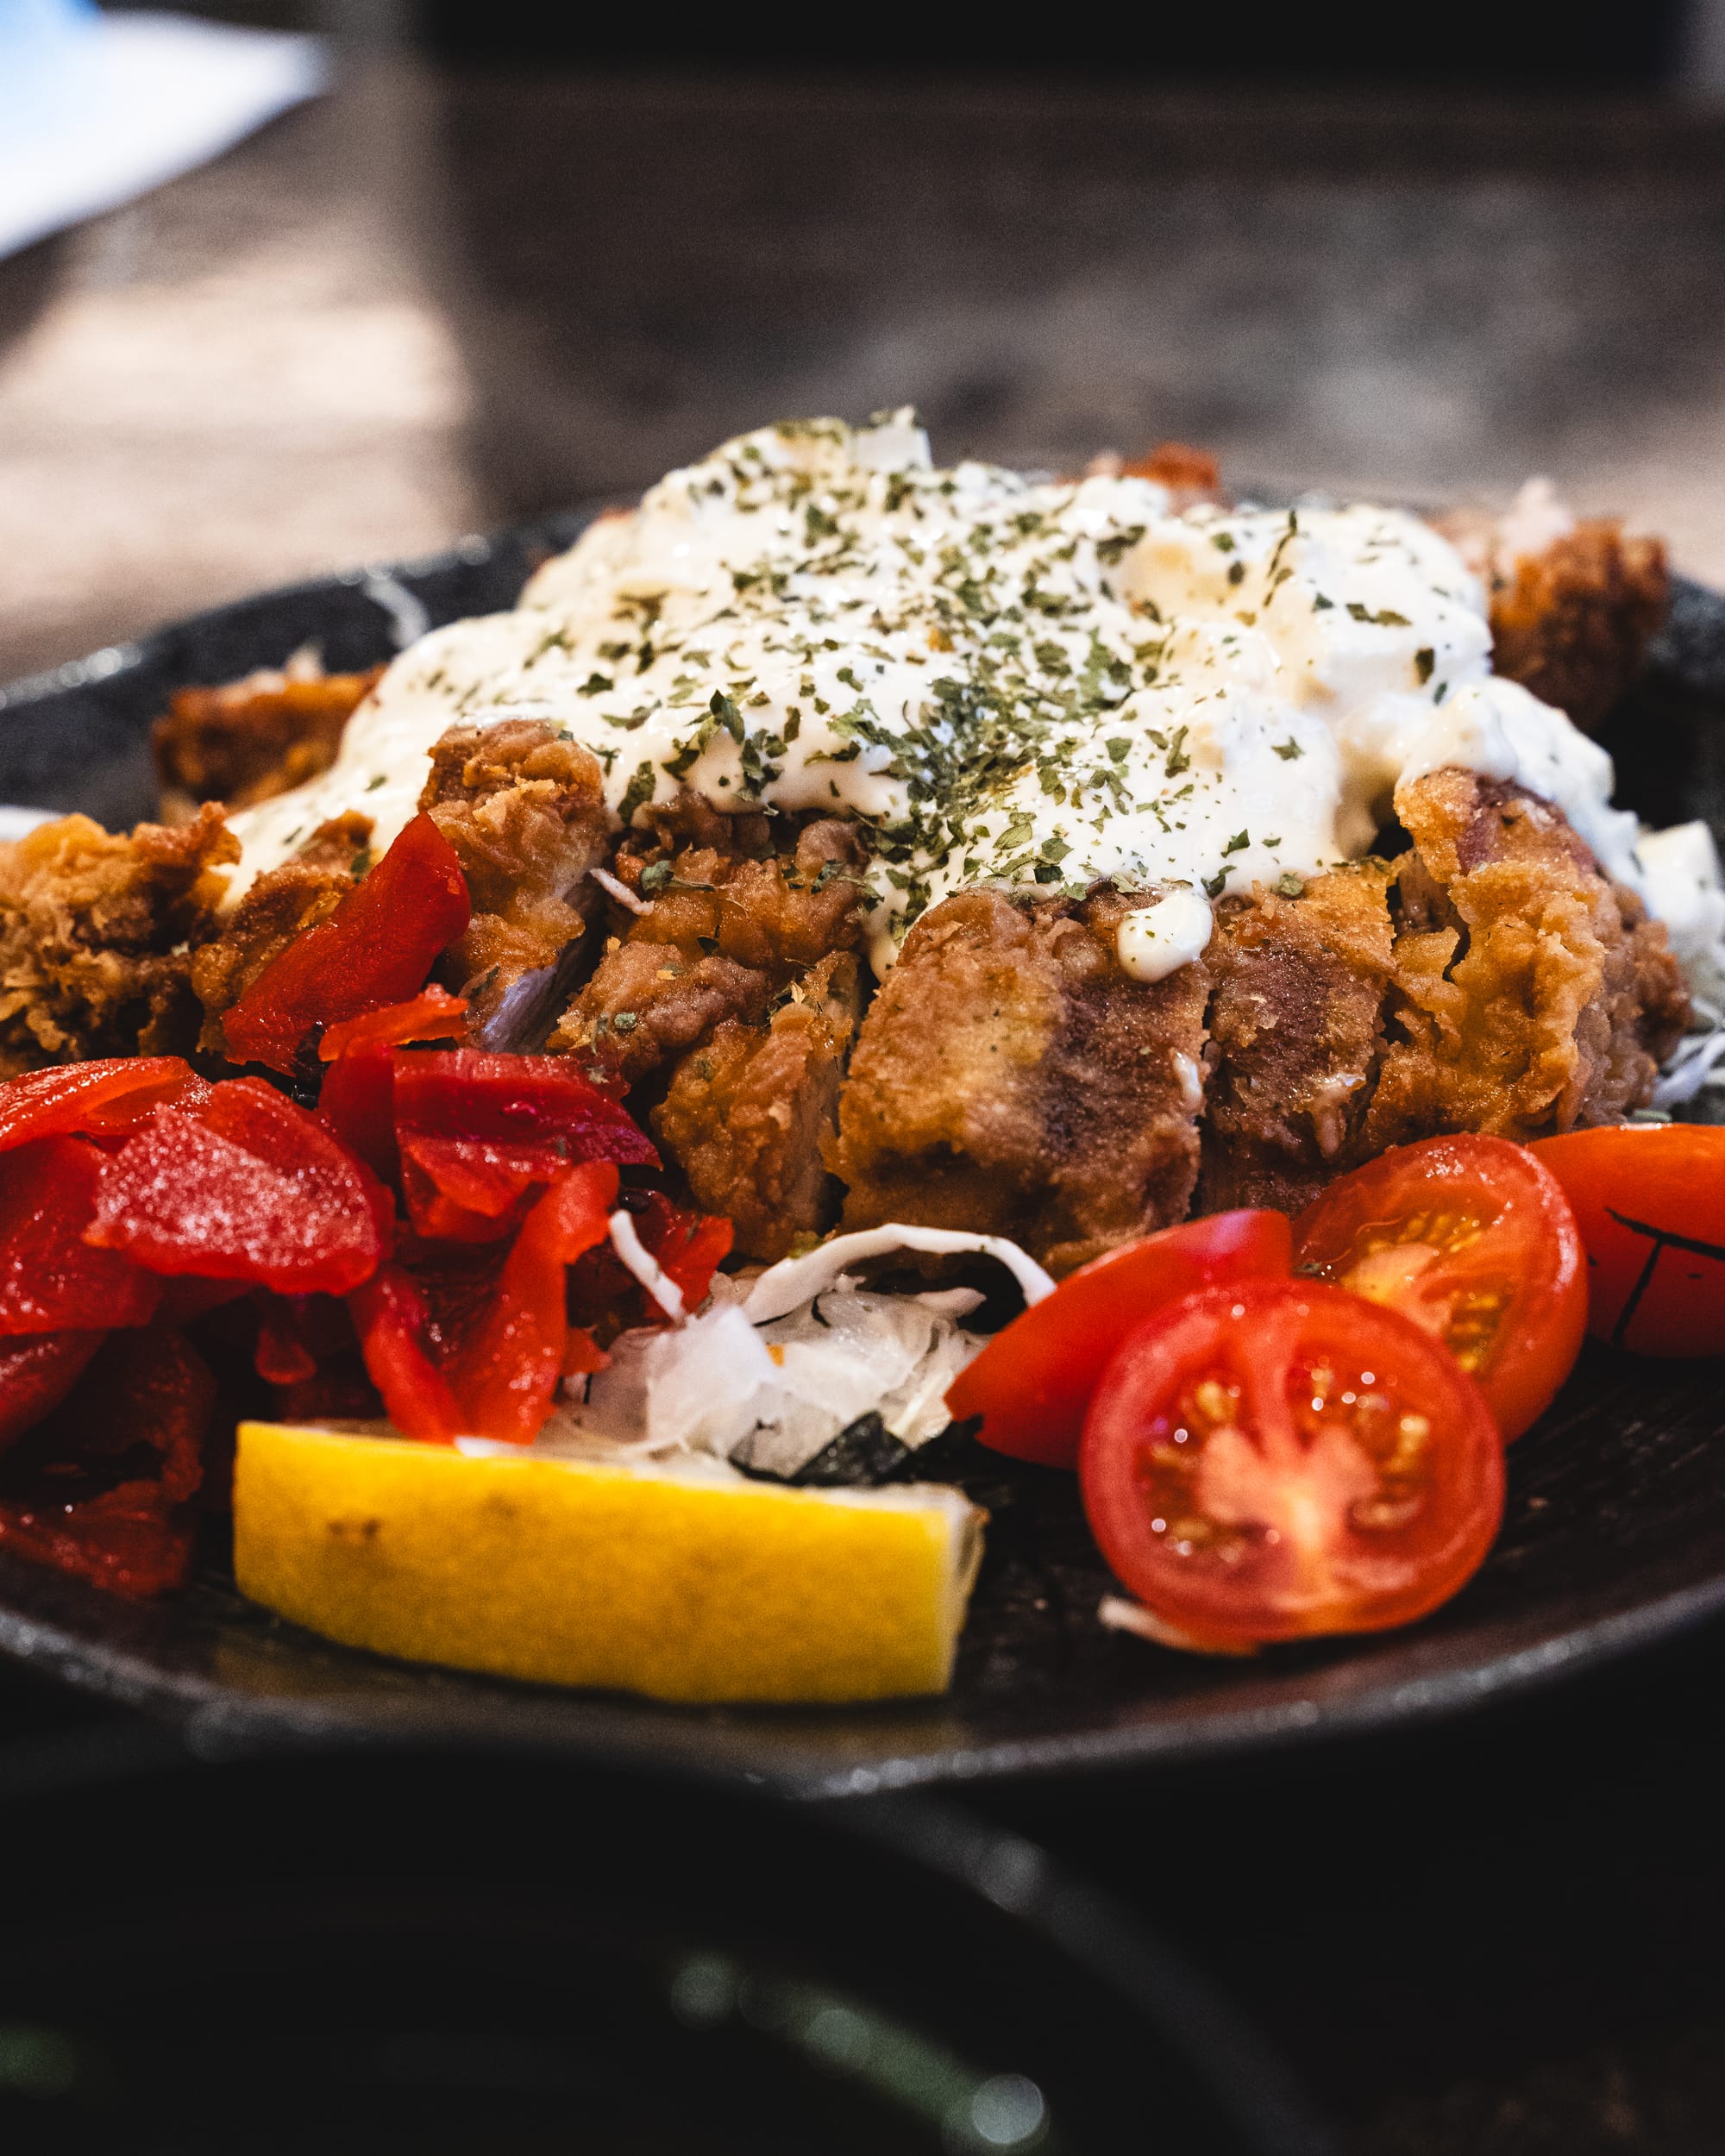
(218, 1721)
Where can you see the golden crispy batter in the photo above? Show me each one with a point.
(94, 937)
(1296, 1020)
(523, 807)
(252, 739)
(1570, 621)
(1573, 622)
(1011, 1077)
(748, 1115)
(1531, 994)
(1190, 475)
(273, 911)
(724, 930)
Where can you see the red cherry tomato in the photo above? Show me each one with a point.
(1650, 1199)
(1033, 1383)
(1278, 1458)
(1474, 1240)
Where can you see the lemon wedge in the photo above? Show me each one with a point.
(685, 1582)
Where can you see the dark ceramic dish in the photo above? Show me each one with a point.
(1615, 1537)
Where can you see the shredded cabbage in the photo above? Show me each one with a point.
(772, 1369)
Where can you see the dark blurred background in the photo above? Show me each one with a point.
(518, 257)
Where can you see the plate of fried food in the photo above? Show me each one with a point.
(871, 1124)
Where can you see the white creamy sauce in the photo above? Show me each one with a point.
(1158, 940)
(1013, 681)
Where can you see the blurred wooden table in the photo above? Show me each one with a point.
(430, 304)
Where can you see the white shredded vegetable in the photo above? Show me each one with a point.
(618, 890)
(794, 1280)
(772, 1394)
(645, 1266)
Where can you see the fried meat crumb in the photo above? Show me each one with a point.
(98, 935)
(1573, 606)
(250, 740)
(523, 807)
(726, 925)
(1011, 1077)
(747, 1115)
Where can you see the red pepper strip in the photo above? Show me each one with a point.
(252, 1188)
(506, 1369)
(390, 1316)
(469, 1190)
(375, 949)
(145, 1390)
(37, 1374)
(435, 1016)
(583, 1355)
(188, 1297)
(357, 1105)
(51, 1280)
(464, 1093)
(94, 1099)
(298, 1334)
(687, 1246)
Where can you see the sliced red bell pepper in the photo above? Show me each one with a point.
(95, 1099)
(391, 1320)
(435, 1016)
(146, 1392)
(375, 949)
(464, 1093)
(298, 1334)
(688, 1246)
(357, 1105)
(505, 1369)
(52, 1279)
(469, 1189)
(250, 1187)
(582, 1354)
(36, 1374)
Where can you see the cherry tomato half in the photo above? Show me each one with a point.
(1650, 1199)
(1472, 1239)
(1033, 1383)
(1279, 1458)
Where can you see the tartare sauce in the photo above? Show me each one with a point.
(1012, 680)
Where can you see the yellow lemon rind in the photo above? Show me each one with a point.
(694, 1586)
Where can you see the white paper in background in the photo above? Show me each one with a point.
(96, 110)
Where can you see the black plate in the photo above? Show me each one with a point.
(1613, 1539)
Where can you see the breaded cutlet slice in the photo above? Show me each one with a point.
(1011, 1077)
(1530, 992)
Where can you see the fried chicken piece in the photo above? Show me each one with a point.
(95, 933)
(750, 1115)
(1190, 475)
(274, 910)
(253, 739)
(1573, 604)
(1010, 1076)
(724, 931)
(1574, 623)
(523, 807)
(1296, 1022)
(1531, 994)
